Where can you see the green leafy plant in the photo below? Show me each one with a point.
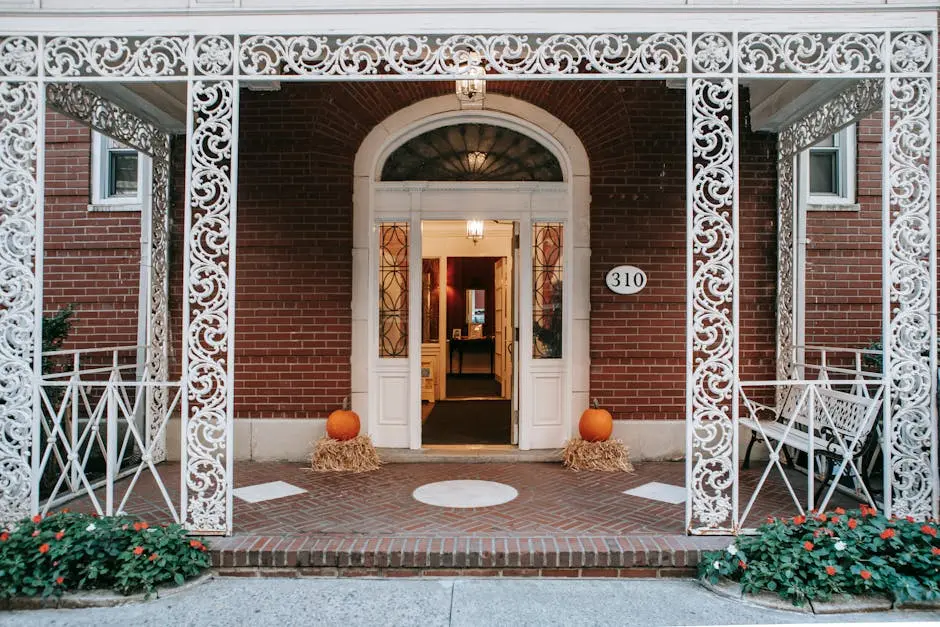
(70, 551)
(55, 330)
(842, 552)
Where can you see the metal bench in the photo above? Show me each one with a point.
(816, 419)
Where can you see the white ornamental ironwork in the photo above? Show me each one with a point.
(208, 306)
(712, 62)
(21, 111)
(713, 302)
(847, 107)
(107, 118)
(910, 284)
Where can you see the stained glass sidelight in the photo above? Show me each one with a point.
(547, 293)
(393, 289)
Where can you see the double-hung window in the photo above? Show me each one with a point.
(119, 174)
(827, 172)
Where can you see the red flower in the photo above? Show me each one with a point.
(830, 570)
(821, 518)
(909, 518)
(935, 550)
(852, 523)
(37, 518)
(153, 557)
(4, 536)
(59, 580)
(865, 575)
(834, 519)
(196, 544)
(60, 535)
(840, 511)
(36, 533)
(140, 525)
(742, 565)
(799, 520)
(808, 545)
(770, 519)
(887, 533)
(138, 550)
(930, 531)
(43, 548)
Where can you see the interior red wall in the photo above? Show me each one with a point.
(462, 273)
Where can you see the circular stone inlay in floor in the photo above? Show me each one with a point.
(465, 493)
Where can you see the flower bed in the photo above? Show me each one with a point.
(65, 552)
(857, 552)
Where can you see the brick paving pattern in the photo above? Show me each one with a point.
(562, 523)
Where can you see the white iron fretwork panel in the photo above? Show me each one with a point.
(786, 258)
(20, 211)
(207, 302)
(910, 340)
(108, 118)
(713, 303)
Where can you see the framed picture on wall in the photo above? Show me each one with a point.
(455, 334)
(475, 331)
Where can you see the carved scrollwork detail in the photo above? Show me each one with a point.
(500, 54)
(910, 241)
(810, 53)
(19, 56)
(215, 55)
(712, 52)
(712, 331)
(116, 56)
(910, 53)
(19, 201)
(207, 362)
(851, 104)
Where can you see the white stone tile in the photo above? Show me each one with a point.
(656, 491)
(267, 491)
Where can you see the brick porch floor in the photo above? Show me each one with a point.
(562, 522)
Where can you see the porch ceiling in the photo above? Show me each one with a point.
(774, 103)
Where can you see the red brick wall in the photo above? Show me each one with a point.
(294, 269)
(91, 258)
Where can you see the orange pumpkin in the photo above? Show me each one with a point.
(343, 424)
(596, 424)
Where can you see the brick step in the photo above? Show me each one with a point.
(378, 556)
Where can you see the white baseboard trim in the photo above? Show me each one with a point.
(270, 439)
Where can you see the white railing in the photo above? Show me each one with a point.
(827, 411)
(96, 428)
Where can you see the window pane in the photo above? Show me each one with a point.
(829, 142)
(393, 289)
(547, 303)
(823, 172)
(122, 173)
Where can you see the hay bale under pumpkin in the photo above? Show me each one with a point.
(609, 456)
(354, 455)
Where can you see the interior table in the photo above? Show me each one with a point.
(466, 343)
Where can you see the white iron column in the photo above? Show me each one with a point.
(786, 270)
(712, 301)
(209, 305)
(910, 291)
(22, 108)
(158, 299)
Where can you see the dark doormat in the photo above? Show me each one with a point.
(469, 385)
(468, 422)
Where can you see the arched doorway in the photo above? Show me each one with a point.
(553, 385)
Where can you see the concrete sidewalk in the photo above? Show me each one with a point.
(431, 602)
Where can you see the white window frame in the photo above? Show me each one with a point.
(845, 146)
(100, 201)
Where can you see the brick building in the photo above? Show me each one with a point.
(749, 201)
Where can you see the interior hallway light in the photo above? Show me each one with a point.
(475, 230)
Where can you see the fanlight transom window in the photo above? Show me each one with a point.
(472, 152)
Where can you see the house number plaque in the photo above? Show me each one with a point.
(626, 280)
